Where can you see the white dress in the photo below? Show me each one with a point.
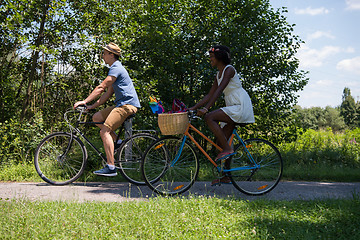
(238, 103)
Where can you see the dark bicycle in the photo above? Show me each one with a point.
(61, 157)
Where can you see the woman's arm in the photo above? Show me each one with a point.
(229, 73)
(205, 99)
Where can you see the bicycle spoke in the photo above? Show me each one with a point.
(57, 162)
(130, 155)
(259, 180)
(173, 177)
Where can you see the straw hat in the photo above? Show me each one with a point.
(113, 48)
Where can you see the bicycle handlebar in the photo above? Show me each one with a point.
(192, 114)
(81, 108)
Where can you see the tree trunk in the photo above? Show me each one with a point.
(35, 57)
(42, 85)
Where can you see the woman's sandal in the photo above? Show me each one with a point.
(224, 155)
(223, 180)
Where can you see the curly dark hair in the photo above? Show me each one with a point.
(221, 53)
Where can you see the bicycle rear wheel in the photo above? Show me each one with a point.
(257, 176)
(130, 155)
(168, 167)
(60, 158)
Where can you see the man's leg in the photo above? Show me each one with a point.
(108, 141)
(108, 137)
(112, 121)
(99, 117)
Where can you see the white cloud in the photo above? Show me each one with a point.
(350, 65)
(353, 4)
(311, 11)
(320, 34)
(315, 57)
(324, 83)
(350, 50)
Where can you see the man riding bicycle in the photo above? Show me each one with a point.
(127, 103)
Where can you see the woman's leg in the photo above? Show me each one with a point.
(212, 119)
(228, 130)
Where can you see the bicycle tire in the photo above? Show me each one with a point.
(165, 176)
(58, 163)
(256, 180)
(130, 154)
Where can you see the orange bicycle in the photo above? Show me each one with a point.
(254, 169)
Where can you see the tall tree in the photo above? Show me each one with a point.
(171, 39)
(165, 44)
(348, 108)
(44, 7)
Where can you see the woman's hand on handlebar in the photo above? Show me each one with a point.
(201, 112)
(198, 112)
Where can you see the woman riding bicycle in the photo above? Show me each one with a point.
(238, 103)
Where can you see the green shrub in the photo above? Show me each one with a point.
(19, 139)
(323, 147)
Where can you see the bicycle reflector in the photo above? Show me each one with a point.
(262, 187)
(248, 146)
(178, 187)
(159, 146)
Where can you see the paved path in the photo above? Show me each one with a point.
(118, 192)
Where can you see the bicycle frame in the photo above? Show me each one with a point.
(77, 130)
(234, 135)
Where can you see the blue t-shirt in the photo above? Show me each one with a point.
(123, 86)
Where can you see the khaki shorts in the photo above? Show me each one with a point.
(115, 116)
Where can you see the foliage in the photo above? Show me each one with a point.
(50, 54)
(19, 140)
(348, 108)
(181, 218)
(167, 54)
(318, 118)
(314, 156)
(323, 148)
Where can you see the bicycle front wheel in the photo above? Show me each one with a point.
(60, 158)
(170, 166)
(130, 155)
(257, 168)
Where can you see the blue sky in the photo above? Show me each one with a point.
(331, 53)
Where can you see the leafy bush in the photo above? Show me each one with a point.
(19, 139)
(323, 147)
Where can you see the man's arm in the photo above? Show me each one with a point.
(99, 90)
(104, 97)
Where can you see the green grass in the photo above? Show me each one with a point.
(181, 218)
(19, 172)
(25, 172)
(321, 173)
(314, 156)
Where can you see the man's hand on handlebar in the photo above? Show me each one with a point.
(79, 103)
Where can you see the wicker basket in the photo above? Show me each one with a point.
(173, 123)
